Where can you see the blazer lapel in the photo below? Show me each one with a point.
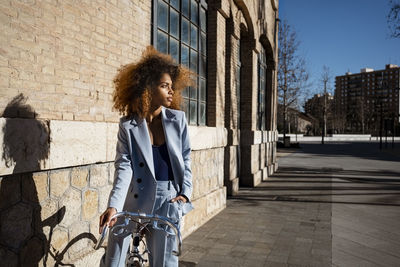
(141, 134)
(168, 119)
(171, 132)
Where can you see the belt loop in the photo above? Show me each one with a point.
(169, 184)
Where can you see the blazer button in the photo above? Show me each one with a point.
(139, 180)
(141, 164)
(135, 195)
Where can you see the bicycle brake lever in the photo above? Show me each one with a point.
(101, 238)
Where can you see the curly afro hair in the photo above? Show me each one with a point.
(134, 83)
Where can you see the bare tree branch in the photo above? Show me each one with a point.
(292, 74)
(393, 19)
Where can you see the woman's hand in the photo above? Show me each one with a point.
(105, 218)
(181, 198)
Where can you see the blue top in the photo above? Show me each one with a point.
(162, 163)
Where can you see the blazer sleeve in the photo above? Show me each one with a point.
(187, 185)
(123, 171)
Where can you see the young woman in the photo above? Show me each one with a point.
(152, 164)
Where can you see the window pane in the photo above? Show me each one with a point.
(185, 92)
(162, 15)
(185, 31)
(162, 42)
(202, 89)
(238, 54)
(185, 107)
(203, 19)
(193, 112)
(193, 93)
(185, 55)
(174, 49)
(193, 12)
(203, 43)
(174, 23)
(175, 3)
(202, 114)
(202, 72)
(193, 60)
(193, 36)
(185, 8)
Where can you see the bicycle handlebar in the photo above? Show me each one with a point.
(133, 216)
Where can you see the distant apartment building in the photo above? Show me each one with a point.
(368, 102)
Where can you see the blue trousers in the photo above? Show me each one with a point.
(159, 243)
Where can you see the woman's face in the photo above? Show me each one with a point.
(162, 95)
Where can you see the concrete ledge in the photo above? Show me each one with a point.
(257, 137)
(207, 137)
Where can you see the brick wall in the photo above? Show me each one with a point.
(216, 67)
(63, 55)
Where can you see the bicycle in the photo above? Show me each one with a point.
(136, 257)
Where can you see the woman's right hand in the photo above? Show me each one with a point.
(105, 219)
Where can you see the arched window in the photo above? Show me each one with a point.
(180, 29)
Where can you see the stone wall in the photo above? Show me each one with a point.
(209, 195)
(51, 217)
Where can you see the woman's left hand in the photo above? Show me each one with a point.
(181, 198)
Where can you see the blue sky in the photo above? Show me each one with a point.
(345, 35)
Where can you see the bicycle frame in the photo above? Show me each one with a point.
(144, 220)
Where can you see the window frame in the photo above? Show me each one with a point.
(194, 98)
(261, 91)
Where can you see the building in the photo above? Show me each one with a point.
(314, 108)
(296, 121)
(305, 123)
(368, 101)
(58, 60)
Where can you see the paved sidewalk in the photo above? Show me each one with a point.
(331, 205)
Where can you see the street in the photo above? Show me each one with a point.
(336, 204)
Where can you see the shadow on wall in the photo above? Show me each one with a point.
(25, 239)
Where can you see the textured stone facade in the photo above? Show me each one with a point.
(57, 63)
(52, 217)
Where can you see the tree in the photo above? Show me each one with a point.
(325, 78)
(292, 75)
(393, 19)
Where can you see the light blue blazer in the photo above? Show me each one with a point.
(134, 186)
